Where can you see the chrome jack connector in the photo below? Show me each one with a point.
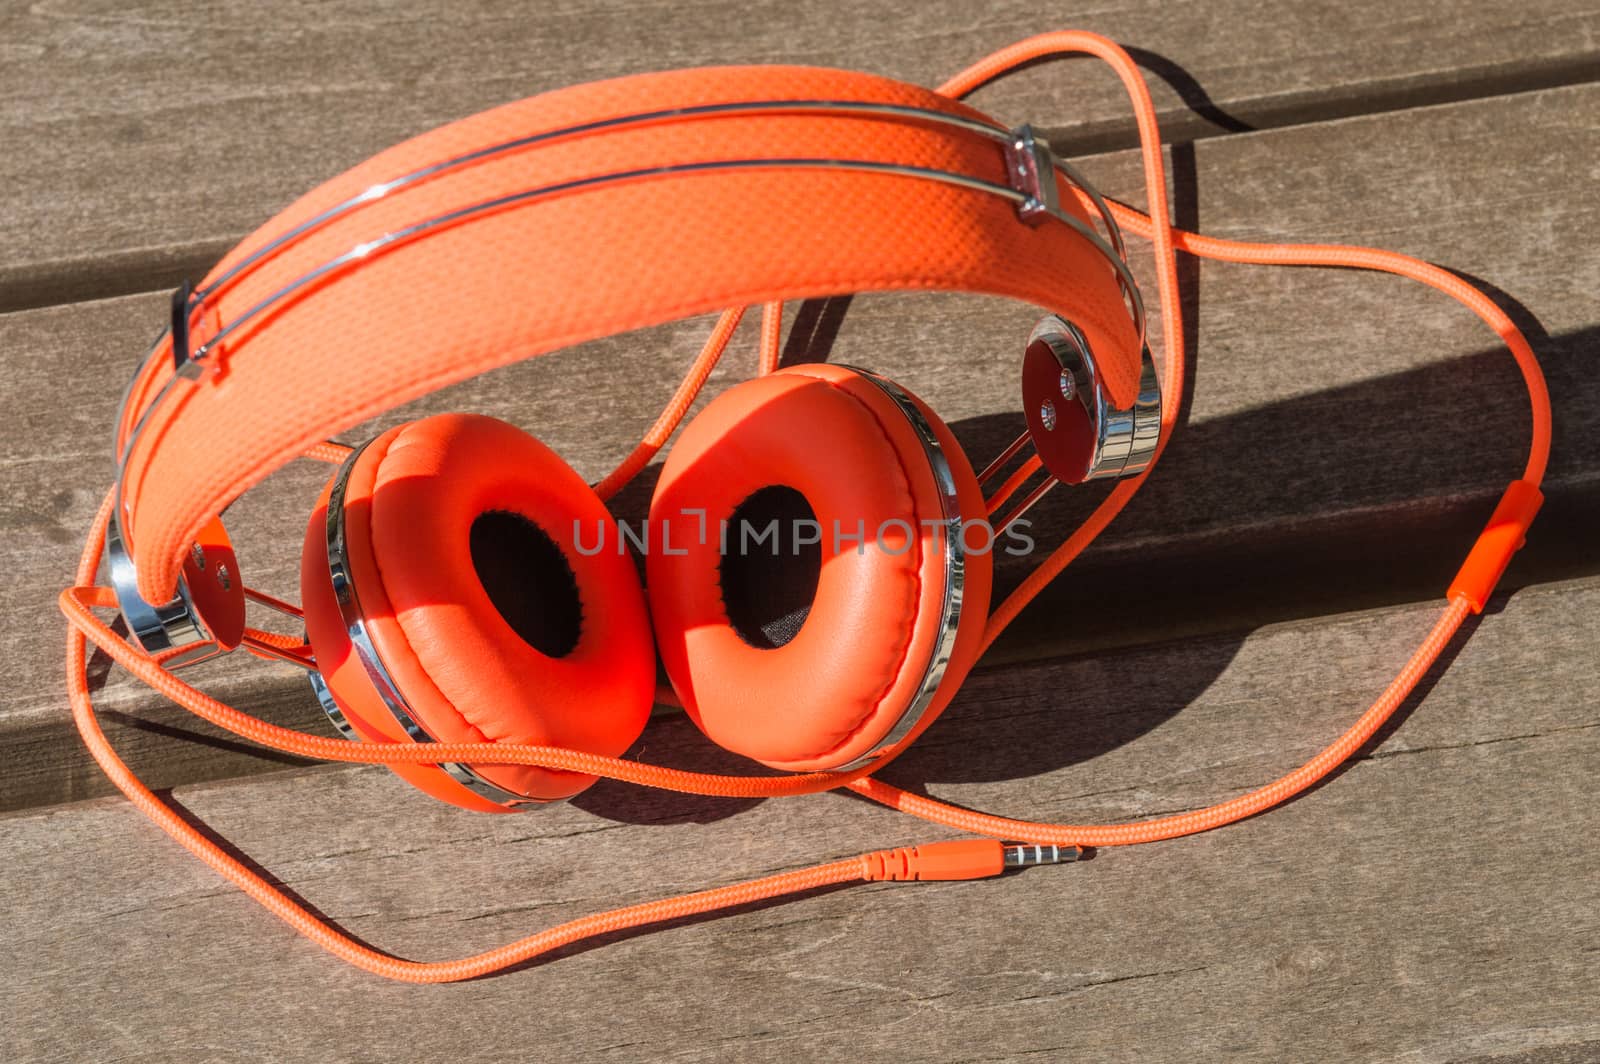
(1021, 855)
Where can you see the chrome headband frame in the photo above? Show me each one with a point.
(955, 570)
(344, 592)
(1028, 159)
(1030, 170)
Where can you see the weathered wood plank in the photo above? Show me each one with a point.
(142, 139)
(1433, 903)
(1347, 434)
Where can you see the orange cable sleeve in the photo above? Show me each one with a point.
(275, 639)
(328, 451)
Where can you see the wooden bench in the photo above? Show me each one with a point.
(1346, 437)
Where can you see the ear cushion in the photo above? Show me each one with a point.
(420, 549)
(834, 690)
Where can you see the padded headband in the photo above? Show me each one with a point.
(501, 283)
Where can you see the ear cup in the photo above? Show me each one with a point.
(806, 657)
(490, 622)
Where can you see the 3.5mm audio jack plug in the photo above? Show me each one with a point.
(1022, 855)
(961, 859)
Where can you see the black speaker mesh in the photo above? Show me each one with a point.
(768, 578)
(529, 580)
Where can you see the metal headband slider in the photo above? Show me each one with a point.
(182, 362)
(186, 360)
(1031, 170)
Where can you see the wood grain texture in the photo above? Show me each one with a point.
(1348, 433)
(178, 128)
(1433, 903)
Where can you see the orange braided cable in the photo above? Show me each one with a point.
(1157, 225)
(76, 603)
(683, 398)
(1215, 816)
(348, 949)
(771, 338)
(1328, 255)
(951, 860)
(1361, 258)
(329, 451)
(1009, 486)
(1060, 558)
(1159, 230)
(271, 639)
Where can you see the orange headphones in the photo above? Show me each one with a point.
(473, 615)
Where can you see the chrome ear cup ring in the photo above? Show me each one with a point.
(331, 707)
(949, 537)
(345, 594)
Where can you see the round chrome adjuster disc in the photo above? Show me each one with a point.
(1078, 434)
(204, 619)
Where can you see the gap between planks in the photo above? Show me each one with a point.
(134, 270)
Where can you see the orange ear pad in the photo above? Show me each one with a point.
(459, 539)
(806, 657)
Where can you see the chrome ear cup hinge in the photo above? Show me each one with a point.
(1076, 432)
(325, 699)
(206, 616)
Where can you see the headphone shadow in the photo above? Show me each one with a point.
(1000, 729)
(1378, 550)
(813, 330)
(1382, 441)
